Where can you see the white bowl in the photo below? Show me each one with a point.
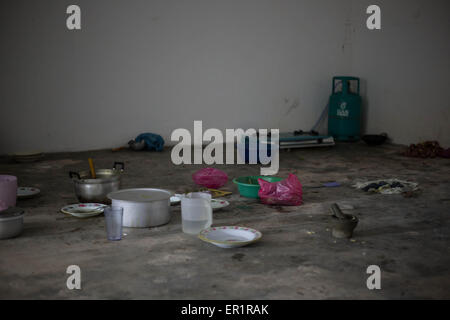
(230, 236)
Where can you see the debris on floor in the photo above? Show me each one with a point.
(427, 149)
(216, 193)
(387, 186)
(136, 146)
(325, 185)
(411, 194)
(55, 164)
(304, 232)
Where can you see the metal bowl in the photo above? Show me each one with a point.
(11, 222)
(96, 190)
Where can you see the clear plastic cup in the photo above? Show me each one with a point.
(113, 219)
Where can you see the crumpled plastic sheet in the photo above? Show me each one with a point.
(407, 186)
(287, 192)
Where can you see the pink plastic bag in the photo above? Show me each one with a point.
(210, 178)
(287, 192)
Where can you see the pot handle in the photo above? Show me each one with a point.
(72, 173)
(116, 164)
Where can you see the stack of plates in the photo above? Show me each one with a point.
(28, 156)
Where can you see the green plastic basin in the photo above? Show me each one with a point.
(248, 186)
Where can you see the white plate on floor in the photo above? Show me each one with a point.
(84, 210)
(230, 236)
(27, 192)
(217, 204)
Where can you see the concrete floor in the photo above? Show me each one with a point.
(409, 238)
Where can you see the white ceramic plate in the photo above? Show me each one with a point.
(217, 204)
(27, 192)
(84, 210)
(230, 236)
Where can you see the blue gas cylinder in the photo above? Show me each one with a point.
(344, 110)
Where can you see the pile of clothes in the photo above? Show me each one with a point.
(387, 186)
(427, 149)
(148, 141)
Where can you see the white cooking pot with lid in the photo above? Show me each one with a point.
(143, 207)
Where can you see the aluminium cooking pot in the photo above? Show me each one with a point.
(143, 207)
(96, 190)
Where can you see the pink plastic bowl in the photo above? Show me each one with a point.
(8, 191)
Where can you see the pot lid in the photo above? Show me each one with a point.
(140, 195)
(11, 212)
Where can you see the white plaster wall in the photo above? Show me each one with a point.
(157, 65)
(154, 66)
(405, 69)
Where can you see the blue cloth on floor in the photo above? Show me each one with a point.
(153, 142)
